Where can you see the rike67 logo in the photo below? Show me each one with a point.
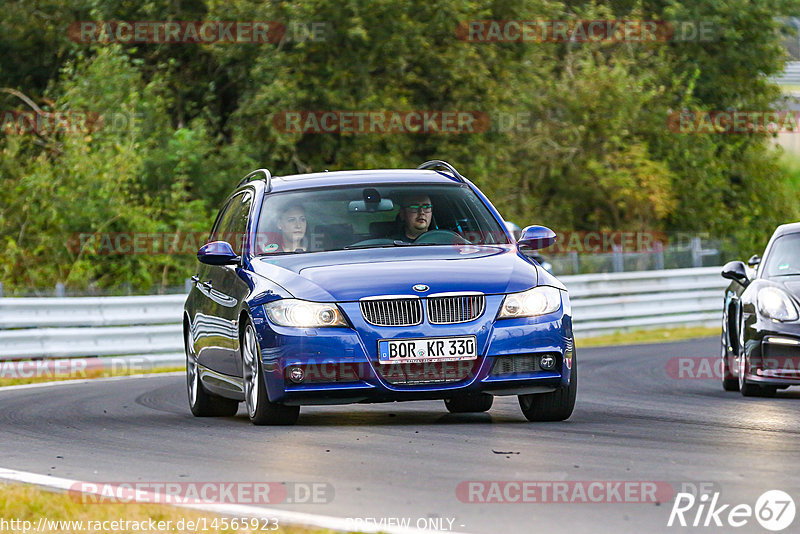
(774, 510)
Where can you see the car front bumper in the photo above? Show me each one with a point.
(340, 365)
(773, 354)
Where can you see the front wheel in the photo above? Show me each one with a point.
(259, 408)
(748, 389)
(202, 403)
(729, 382)
(554, 406)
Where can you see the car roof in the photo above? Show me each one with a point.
(296, 182)
(789, 228)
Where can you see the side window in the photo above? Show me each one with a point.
(219, 224)
(234, 224)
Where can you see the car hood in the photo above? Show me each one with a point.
(349, 275)
(792, 287)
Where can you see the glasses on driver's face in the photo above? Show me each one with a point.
(420, 207)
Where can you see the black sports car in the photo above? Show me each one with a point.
(761, 321)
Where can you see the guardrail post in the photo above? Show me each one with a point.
(60, 290)
(1, 290)
(659, 258)
(576, 267)
(697, 248)
(617, 263)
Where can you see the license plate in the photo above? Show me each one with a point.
(427, 349)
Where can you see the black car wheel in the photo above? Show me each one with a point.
(748, 389)
(553, 406)
(202, 403)
(729, 382)
(478, 403)
(259, 408)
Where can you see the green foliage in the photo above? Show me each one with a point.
(579, 137)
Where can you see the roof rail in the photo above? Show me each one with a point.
(439, 164)
(267, 178)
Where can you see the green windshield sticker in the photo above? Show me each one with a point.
(782, 267)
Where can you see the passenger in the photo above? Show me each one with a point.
(292, 227)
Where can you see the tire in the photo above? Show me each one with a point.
(259, 408)
(752, 390)
(474, 404)
(729, 382)
(201, 402)
(554, 406)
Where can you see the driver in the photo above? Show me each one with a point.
(416, 215)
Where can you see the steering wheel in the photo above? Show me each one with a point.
(442, 237)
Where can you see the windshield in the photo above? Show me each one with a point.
(784, 257)
(394, 215)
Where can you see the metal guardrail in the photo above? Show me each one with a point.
(149, 327)
(619, 302)
(790, 74)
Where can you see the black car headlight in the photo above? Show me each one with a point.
(304, 314)
(537, 301)
(776, 304)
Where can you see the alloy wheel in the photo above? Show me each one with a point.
(250, 370)
(192, 375)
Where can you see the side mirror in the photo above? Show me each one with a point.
(736, 271)
(536, 237)
(754, 260)
(217, 253)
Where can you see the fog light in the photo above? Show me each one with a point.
(547, 362)
(297, 375)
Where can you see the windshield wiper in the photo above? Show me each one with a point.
(395, 243)
(283, 252)
(372, 245)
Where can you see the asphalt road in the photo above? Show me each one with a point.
(633, 422)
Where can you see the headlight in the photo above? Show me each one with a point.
(302, 313)
(776, 304)
(537, 301)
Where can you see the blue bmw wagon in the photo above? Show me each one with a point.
(373, 286)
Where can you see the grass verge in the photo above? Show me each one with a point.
(82, 375)
(661, 335)
(21, 503)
